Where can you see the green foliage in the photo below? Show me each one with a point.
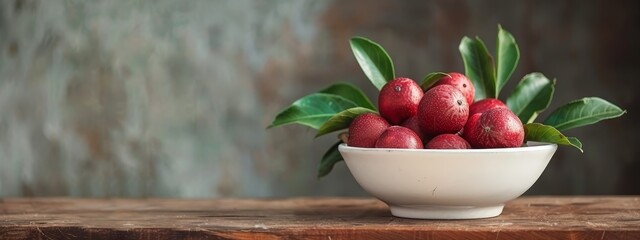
(351, 92)
(330, 109)
(341, 120)
(312, 110)
(542, 133)
(532, 96)
(507, 56)
(329, 159)
(479, 67)
(374, 61)
(431, 79)
(582, 112)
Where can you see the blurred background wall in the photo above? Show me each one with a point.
(171, 98)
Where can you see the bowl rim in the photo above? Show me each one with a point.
(531, 146)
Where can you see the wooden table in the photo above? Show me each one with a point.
(611, 217)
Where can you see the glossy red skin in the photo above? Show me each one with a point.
(472, 121)
(443, 109)
(496, 128)
(461, 82)
(448, 141)
(399, 99)
(365, 130)
(412, 123)
(485, 105)
(399, 137)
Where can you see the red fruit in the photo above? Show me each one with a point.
(485, 105)
(365, 130)
(473, 119)
(461, 82)
(443, 109)
(496, 128)
(412, 123)
(399, 99)
(399, 137)
(448, 141)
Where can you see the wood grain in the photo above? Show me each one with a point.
(611, 217)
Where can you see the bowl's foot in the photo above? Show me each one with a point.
(445, 212)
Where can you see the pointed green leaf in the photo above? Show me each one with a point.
(575, 142)
(330, 158)
(507, 56)
(341, 120)
(431, 79)
(351, 92)
(374, 61)
(543, 133)
(582, 112)
(478, 66)
(312, 110)
(532, 96)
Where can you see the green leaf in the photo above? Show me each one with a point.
(507, 56)
(582, 112)
(330, 158)
(532, 96)
(478, 66)
(544, 133)
(374, 61)
(575, 142)
(432, 78)
(341, 120)
(312, 110)
(351, 92)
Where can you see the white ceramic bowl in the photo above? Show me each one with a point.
(447, 184)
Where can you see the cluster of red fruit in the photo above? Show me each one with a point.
(443, 117)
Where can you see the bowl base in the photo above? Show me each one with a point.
(445, 212)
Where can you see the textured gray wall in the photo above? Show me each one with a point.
(170, 98)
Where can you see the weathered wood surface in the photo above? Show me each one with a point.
(309, 218)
